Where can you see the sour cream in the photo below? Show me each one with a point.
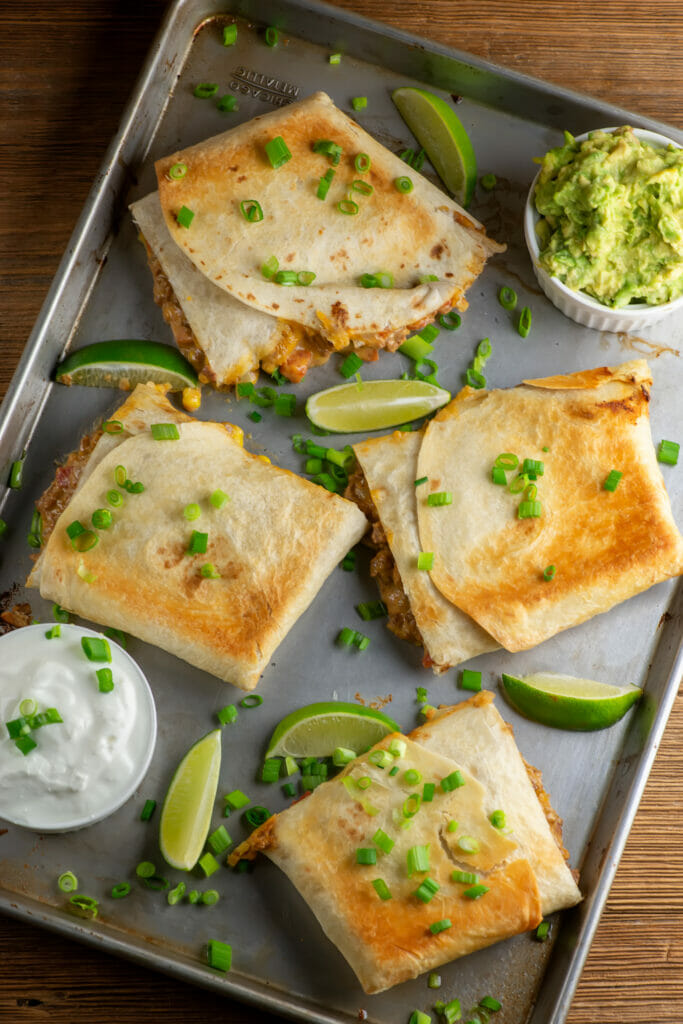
(87, 766)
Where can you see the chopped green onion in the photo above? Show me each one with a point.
(184, 216)
(417, 1017)
(489, 1003)
(256, 417)
(277, 152)
(67, 882)
(148, 810)
(434, 980)
(271, 36)
(427, 890)
(35, 533)
(96, 648)
(115, 498)
(403, 184)
(464, 877)
(25, 744)
(668, 452)
(219, 840)
(342, 756)
(29, 706)
(425, 560)
(369, 610)
(210, 897)
(407, 156)
(364, 782)
(120, 890)
(536, 466)
(17, 473)
(380, 758)
(219, 955)
(208, 571)
(507, 298)
(59, 614)
(351, 365)
(102, 519)
(105, 680)
(411, 805)
(524, 323)
(83, 906)
(475, 891)
(366, 855)
(305, 277)
(368, 281)
(313, 466)
(348, 562)
(359, 102)
(484, 349)
(452, 1012)
(251, 211)
(271, 769)
(285, 405)
(549, 572)
(227, 715)
(470, 680)
(218, 498)
(285, 277)
(175, 895)
(394, 770)
(475, 379)
(116, 426)
(365, 189)
(452, 826)
(385, 842)
(416, 347)
(268, 269)
(440, 926)
(381, 888)
(331, 149)
(289, 789)
(205, 90)
(449, 321)
(252, 700)
(345, 636)
(468, 844)
(362, 163)
(453, 781)
(227, 103)
(426, 278)
(192, 512)
(418, 859)
(397, 747)
(165, 432)
(51, 634)
(193, 896)
(198, 543)
(334, 58)
(438, 498)
(348, 207)
(208, 863)
(420, 693)
(229, 35)
(506, 461)
(541, 932)
(84, 574)
(497, 819)
(518, 483)
(421, 480)
(498, 476)
(145, 869)
(324, 184)
(236, 799)
(612, 480)
(488, 181)
(529, 510)
(429, 788)
(412, 776)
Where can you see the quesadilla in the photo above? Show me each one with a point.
(361, 266)
(204, 550)
(406, 871)
(577, 520)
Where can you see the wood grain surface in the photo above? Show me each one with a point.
(66, 69)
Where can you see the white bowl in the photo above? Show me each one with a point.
(86, 767)
(577, 305)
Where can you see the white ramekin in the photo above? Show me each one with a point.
(579, 306)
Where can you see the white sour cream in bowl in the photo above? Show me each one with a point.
(85, 767)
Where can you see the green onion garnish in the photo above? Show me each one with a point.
(205, 90)
(351, 365)
(506, 461)
(256, 816)
(411, 805)
(120, 890)
(348, 562)
(51, 634)
(489, 1003)
(348, 207)
(208, 863)
(498, 476)
(219, 840)
(475, 379)
(381, 888)
(29, 707)
(524, 323)
(305, 277)
(83, 906)
(412, 776)
(418, 1017)
(549, 573)
(385, 842)
(453, 781)
(380, 758)
(268, 269)
(285, 405)
(175, 895)
(612, 480)
(252, 700)
(192, 512)
(434, 980)
(427, 890)
(236, 800)
(529, 466)
(324, 184)
(449, 321)
(507, 298)
(541, 932)
(397, 747)
(475, 891)
(668, 452)
(359, 102)
(115, 498)
(208, 571)
(484, 349)
(251, 211)
(464, 877)
(488, 181)
(468, 844)
(529, 510)
(219, 955)
(452, 826)
(227, 715)
(134, 487)
(440, 926)
(145, 869)
(85, 575)
(254, 416)
(25, 744)
(96, 648)
(116, 426)
(102, 519)
(271, 36)
(331, 149)
(470, 680)
(366, 855)
(229, 35)
(148, 810)
(334, 58)
(438, 498)
(364, 187)
(175, 173)
(285, 277)
(184, 216)
(418, 160)
(210, 897)
(227, 103)
(425, 560)
(426, 278)
(218, 498)
(403, 184)
(105, 680)
(421, 691)
(277, 152)
(429, 788)
(16, 473)
(369, 610)
(67, 882)
(198, 543)
(362, 163)
(342, 756)
(270, 771)
(418, 859)
(497, 819)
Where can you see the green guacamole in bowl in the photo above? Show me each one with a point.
(611, 209)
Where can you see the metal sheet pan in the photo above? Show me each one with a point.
(103, 290)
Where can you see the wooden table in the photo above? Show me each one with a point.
(66, 68)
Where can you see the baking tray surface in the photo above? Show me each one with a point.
(103, 290)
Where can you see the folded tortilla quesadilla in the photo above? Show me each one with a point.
(232, 213)
(551, 544)
(220, 588)
(441, 880)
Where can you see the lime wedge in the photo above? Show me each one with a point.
(442, 136)
(374, 404)
(123, 364)
(569, 703)
(317, 729)
(188, 806)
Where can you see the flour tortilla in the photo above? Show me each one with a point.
(390, 467)
(274, 543)
(409, 235)
(605, 546)
(387, 942)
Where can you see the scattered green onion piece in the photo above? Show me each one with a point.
(236, 799)
(198, 543)
(83, 906)
(364, 782)
(518, 483)
(102, 519)
(75, 529)
(208, 571)
(227, 103)
(342, 756)
(426, 278)
(434, 980)
(348, 562)
(440, 926)
(489, 1003)
(67, 882)
(120, 476)
(145, 869)
(334, 58)
(364, 187)
(369, 610)
(427, 890)
(488, 181)
(51, 634)
(403, 184)
(529, 510)
(549, 573)
(205, 90)
(475, 379)
(366, 855)
(470, 680)
(285, 277)
(407, 156)
(85, 575)
(412, 776)
(17, 473)
(345, 636)
(324, 184)
(268, 269)
(351, 365)
(208, 863)
(305, 278)
(219, 840)
(533, 466)
(25, 744)
(449, 321)
(115, 498)
(380, 758)
(411, 805)
(96, 648)
(175, 173)
(484, 349)
(476, 891)
(277, 152)
(256, 417)
(530, 491)
(251, 211)
(383, 841)
(227, 715)
(416, 347)
(497, 819)
(368, 281)
(397, 747)
(184, 216)
(429, 788)
(175, 895)
(464, 877)
(256, 815)
(270, 771)
(362, 163)
(420, 691)
(418, 859)
(453, 781)
(524, 323)
(331, 149)
(48, 717)
(59, 614)
(425, 560)
(252, 700)
(120, 890)
(417, 1017)
(452, 826)
(219, 955)
(381, 888)
(116, 426)
(541, 933)
(289, 789)
(210, 897)
(394, 770)
(439, 498)
(118, 636)
(272, 36)
(192, 512)
(193, 896)
(668, 452)
(612, 480)
(29, 706)
(105, 680)
(453, 1012)
(468, 844)
(359, 102)
(313, 466)
(148, 810)
(418, 160)
(498, 476)
(348, 207)
(229, 35)
(157, 883)
(506, 461)
(507, 298)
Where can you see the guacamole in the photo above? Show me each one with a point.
(612, 218)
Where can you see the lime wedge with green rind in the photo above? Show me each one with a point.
(318, 729)
(123, 364)
(567, 702)
(374, 404)
(189, 803)
(442, 135)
